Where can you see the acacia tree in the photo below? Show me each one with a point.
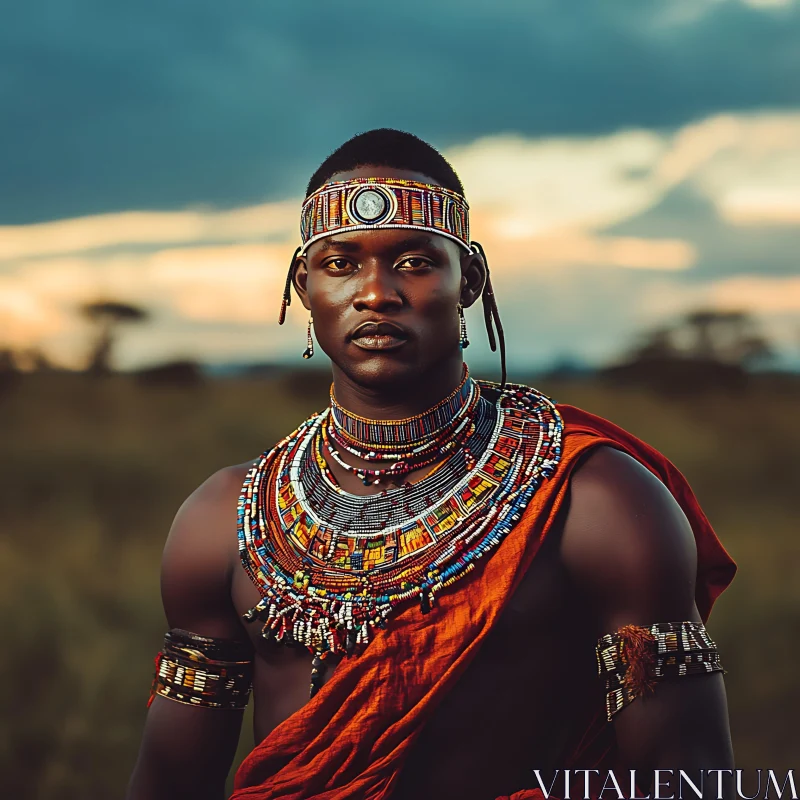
(107, 316)
(724, 337)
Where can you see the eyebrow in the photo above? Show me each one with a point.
(338, 244)
(424, 240)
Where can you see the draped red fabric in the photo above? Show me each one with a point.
(350, 741)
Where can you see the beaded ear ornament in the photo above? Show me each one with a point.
(332, 566)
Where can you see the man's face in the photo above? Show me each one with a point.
(385, 302)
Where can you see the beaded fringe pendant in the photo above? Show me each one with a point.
(309, 351)
(463, 341)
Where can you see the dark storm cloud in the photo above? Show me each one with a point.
(163, 103)
(723, 249)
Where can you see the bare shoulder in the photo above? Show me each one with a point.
(199, 556)
(211, 501)
(627, 541)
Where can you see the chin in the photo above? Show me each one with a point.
(382, 372)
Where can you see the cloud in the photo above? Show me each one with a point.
(593, 237)
(549, 202)
(757, 294)
(528, 194)
(239, 283)
(593, 315)
(748, 166)
(530, 186)
(26, 318)
(149, 228)
(538, 203)
(769, 3)
(513, 254)
(749, 205)
(112, 107)
(187, 289)
(34, 319)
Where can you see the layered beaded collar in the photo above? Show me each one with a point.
(332, 566)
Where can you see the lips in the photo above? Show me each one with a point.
(379, 336)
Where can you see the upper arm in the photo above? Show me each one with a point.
(628, 544)
(187, 748)
(198, 559)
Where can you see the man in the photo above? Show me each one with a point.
(440, 557)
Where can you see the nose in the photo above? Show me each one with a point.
(377, 288)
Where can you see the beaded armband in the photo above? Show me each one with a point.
(633, 659)
(204, 672)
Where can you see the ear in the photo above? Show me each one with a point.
(300, 279)
(473, 277)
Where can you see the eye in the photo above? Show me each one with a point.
(414, 263)
(338, 264)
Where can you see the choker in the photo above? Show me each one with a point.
(400, 436)
(411, 443)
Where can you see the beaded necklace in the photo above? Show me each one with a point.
(409, 452)
(398, 468)
(332, 566)
(385, 439)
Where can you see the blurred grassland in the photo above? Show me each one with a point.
(93, 472)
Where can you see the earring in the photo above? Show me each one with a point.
(309, 351)
(287, 288)
(463, 342)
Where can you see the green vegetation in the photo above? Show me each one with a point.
(93, 471)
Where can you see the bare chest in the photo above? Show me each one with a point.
(511, 710)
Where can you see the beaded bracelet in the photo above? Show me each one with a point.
(202, 671)
(634, 659)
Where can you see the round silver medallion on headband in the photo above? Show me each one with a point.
(371, 205)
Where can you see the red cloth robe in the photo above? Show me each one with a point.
(350, 741)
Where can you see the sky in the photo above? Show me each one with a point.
(625, 162)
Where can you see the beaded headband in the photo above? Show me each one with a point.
(367, 203)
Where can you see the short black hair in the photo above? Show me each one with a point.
(387, 147)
